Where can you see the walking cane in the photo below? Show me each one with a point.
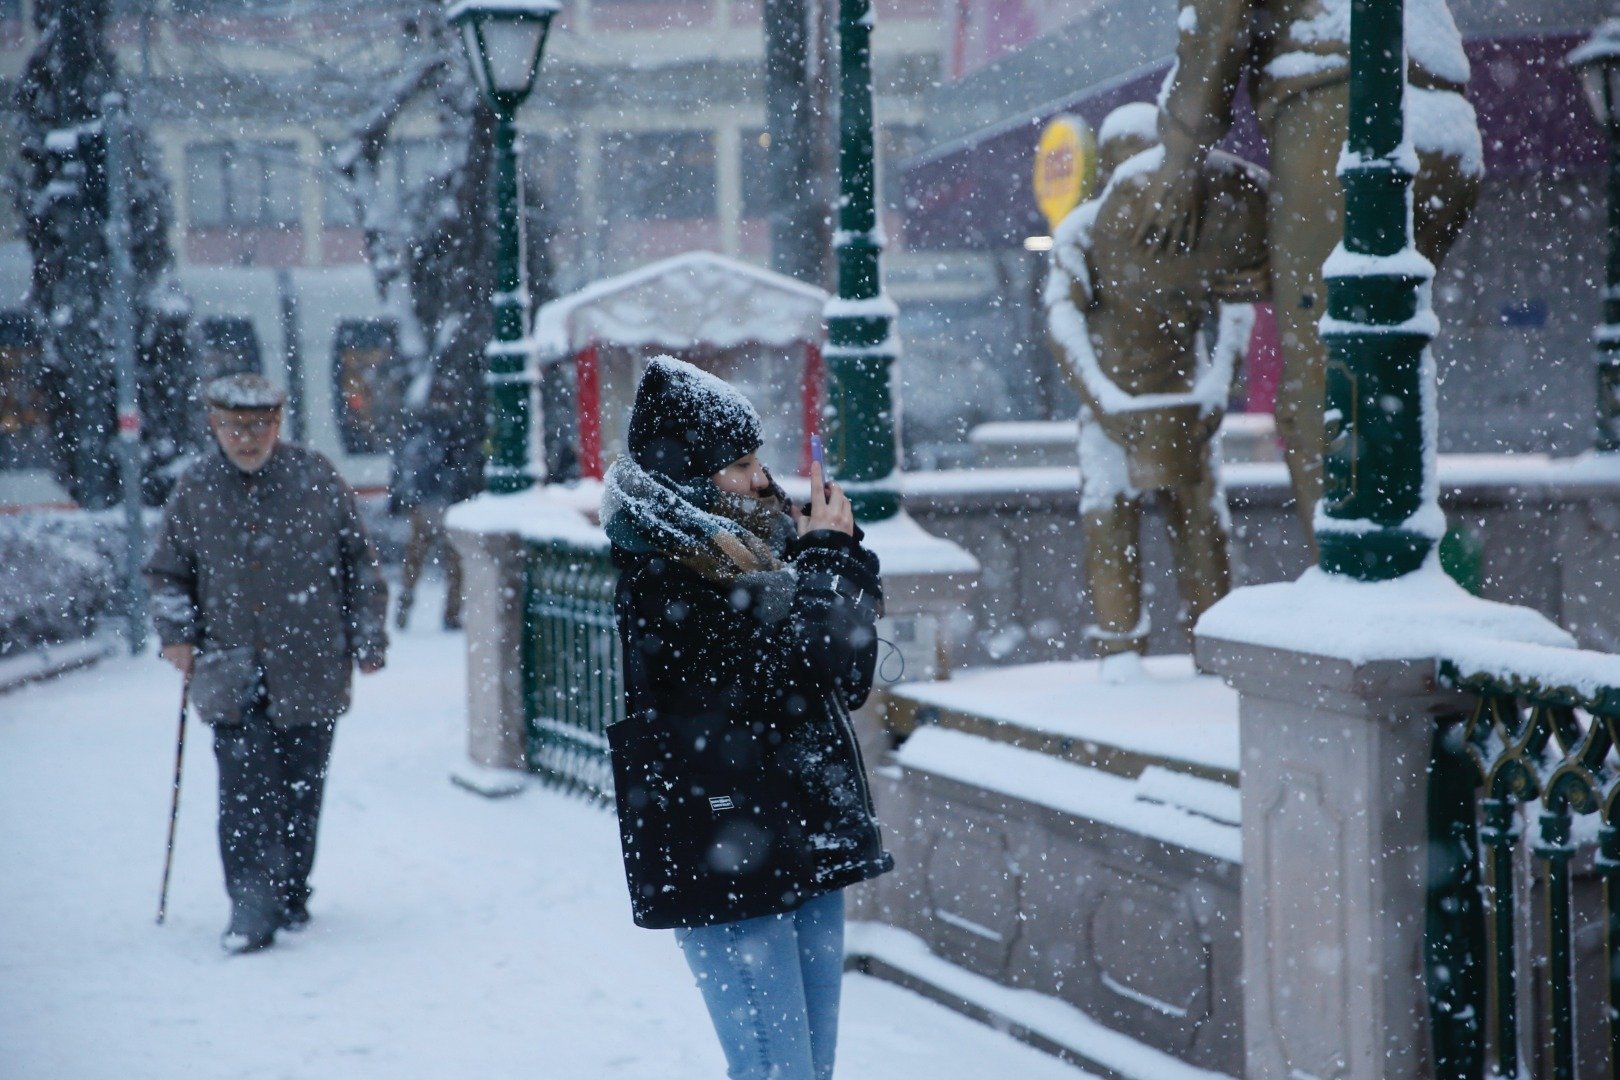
(174, 802)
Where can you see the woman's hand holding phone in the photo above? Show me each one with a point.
(829, 507)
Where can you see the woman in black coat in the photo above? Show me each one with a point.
(748, 633)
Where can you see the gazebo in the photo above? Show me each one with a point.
(758, 330)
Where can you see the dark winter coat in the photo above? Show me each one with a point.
(274, 564)
(740, 785)
(435, 465)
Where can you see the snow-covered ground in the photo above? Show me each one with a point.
(453, 936)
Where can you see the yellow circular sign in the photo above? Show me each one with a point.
(1065, 167)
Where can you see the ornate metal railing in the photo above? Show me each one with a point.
(1529, 748)
(572, 665)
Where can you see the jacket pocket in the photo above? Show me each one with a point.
(223, 684)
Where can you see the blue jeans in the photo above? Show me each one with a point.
(771, 985)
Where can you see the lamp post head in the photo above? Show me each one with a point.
(504, 39)
(1597, 61)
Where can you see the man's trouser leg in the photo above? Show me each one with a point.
(416, 552)
(249, 778)
(304, 754)
(444, 552)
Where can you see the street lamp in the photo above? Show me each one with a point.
(504, 40)
(1380, 512)
(861, 344)
(1598, 64)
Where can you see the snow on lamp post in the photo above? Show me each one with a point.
(1380, 513)
(1598, 63)
(861, 343)
(504, 40)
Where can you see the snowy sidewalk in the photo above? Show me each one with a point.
(453, 936)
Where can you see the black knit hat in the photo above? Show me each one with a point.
(688, 424)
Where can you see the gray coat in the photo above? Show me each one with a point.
(276, 567)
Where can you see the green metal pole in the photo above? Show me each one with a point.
(1380, 514)
(861, 342)
(1557, 849)
(506, 466)
(1607, 338)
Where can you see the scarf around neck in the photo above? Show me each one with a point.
(729, 540)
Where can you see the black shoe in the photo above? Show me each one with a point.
(402, 616)
(294, 916)
(236, 942)
(452, 622)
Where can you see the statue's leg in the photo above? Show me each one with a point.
(1305, 220)
(1195, 513)
(1111, 520)
(1114, 575)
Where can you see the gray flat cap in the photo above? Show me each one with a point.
(244, 390)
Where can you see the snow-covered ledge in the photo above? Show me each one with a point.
(489, 531)
(1337, 697)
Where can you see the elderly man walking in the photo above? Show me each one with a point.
(266, 593)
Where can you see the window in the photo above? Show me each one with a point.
(368, 378)
(896, 143)
(229, 345)
(754, 151)
(338, 209)
(243, 185)
(421, 160)
(225, 9)
(553, 162)
(407, 165)
(659, 175)
(24, 435)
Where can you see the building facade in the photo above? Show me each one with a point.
(646, 129)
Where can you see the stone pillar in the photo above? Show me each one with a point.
(1335, 861)
(926, 581)
(492, 613)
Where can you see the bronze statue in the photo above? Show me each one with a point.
(1295, 57)
(1128, 324)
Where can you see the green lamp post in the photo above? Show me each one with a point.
(1380, 516)
(861, 342)
(1598, 63)
(504, 40)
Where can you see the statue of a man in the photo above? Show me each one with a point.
(1295, 57)
(1128, 324)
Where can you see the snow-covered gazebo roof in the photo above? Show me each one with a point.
(698, 298)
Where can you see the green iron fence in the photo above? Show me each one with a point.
(572, 667)
(1527, 749)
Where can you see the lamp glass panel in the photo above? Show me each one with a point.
(513, 51)
(1591, 75)
(1611, 71)
(475, 54)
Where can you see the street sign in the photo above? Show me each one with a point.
(1065, 167)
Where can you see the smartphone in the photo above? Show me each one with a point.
(818, 456)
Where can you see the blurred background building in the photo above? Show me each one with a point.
(646, 137)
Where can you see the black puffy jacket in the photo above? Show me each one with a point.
(740, 786)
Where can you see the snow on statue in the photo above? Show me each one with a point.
(1127, 325)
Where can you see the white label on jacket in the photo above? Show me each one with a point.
(721, 802)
